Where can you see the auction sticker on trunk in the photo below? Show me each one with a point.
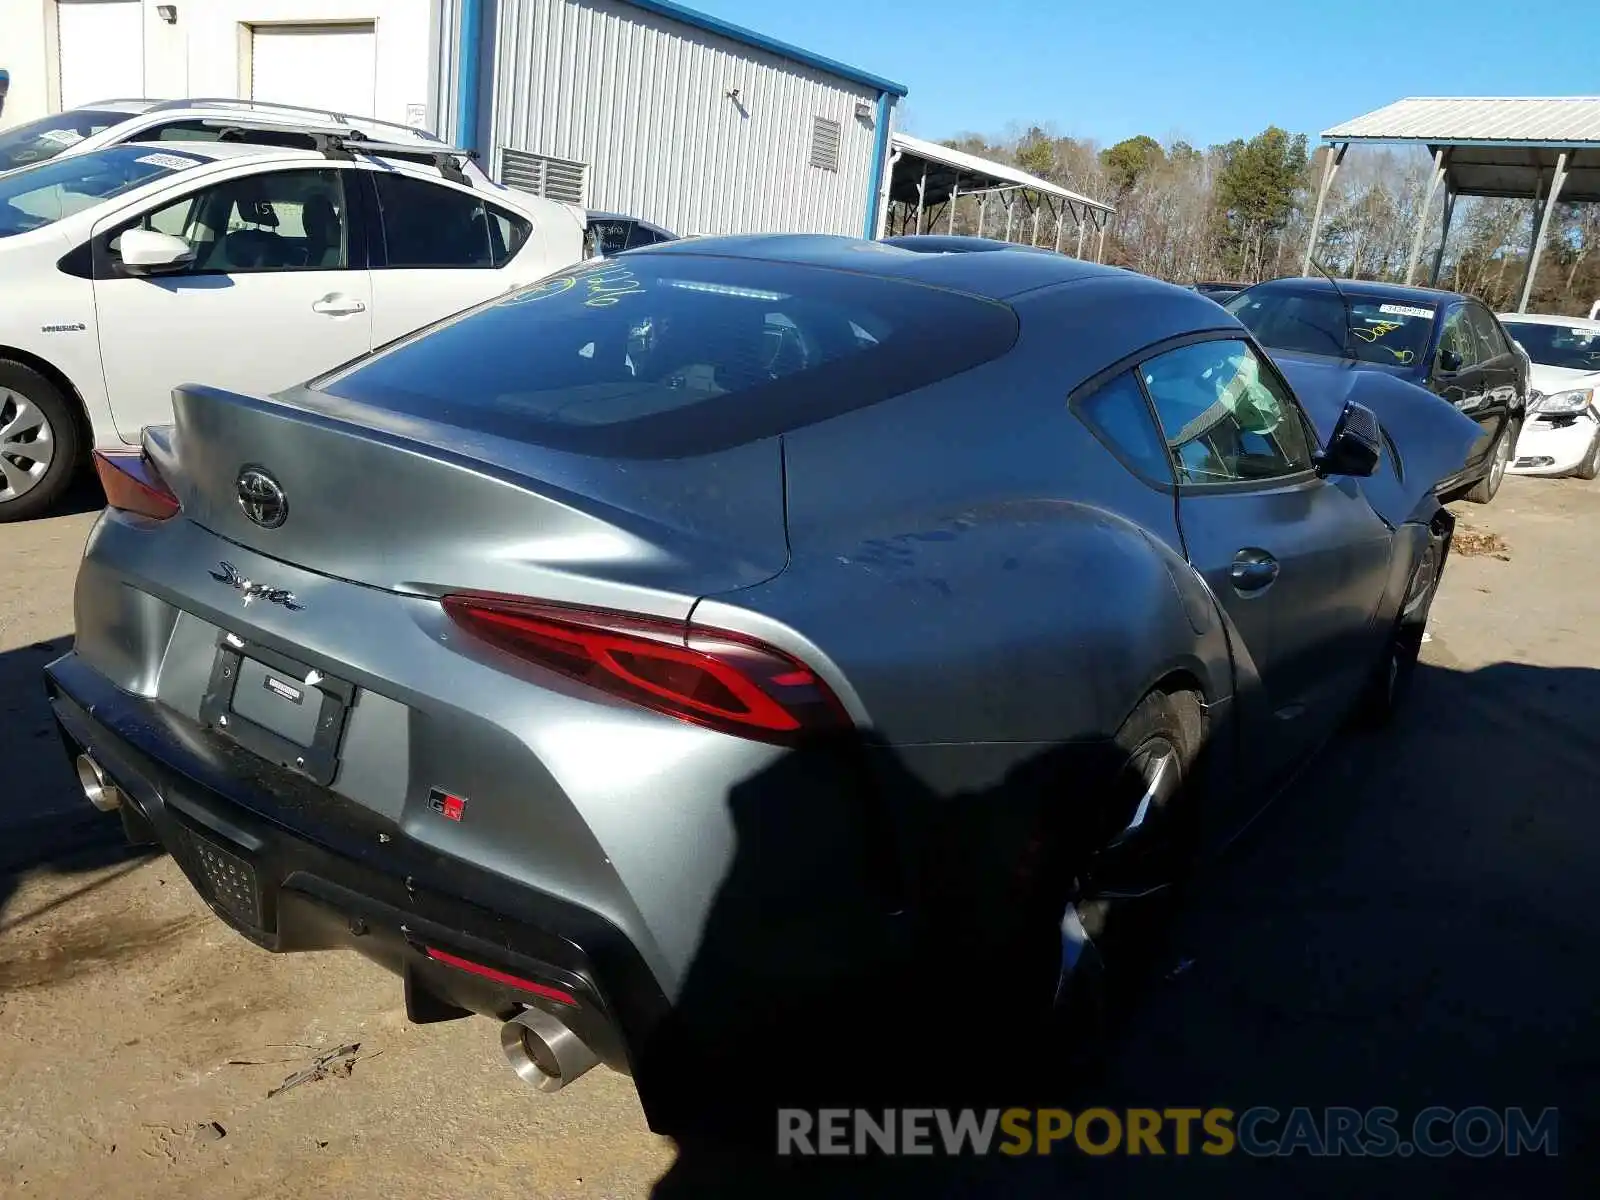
(1405, 310)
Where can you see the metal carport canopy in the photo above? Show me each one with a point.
(1540, 148)
(925, 174)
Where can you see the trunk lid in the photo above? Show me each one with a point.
(419, 506)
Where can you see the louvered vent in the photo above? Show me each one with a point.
(553, 178)
(825, 135)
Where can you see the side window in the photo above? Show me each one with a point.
(182, 131)
(279, 221)
(1226, 416)
(1119, 416)
(507, 234)
(427, 224)
(1491, 341)
(1456, 337)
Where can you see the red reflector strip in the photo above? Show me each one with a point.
(526, 985)
(132, 485)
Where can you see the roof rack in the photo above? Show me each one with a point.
(267, 106)
(336, 141)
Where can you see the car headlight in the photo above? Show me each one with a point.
(1565, 402)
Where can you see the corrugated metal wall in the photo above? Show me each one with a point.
(643, 101)
(444, 46)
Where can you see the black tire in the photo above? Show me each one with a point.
(1390, 682)
(1125, 893)
(45, 421)
(1488, 487)
(1590, 467)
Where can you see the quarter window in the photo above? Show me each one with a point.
(1118, 414)
(1226, 416)
(429, 225)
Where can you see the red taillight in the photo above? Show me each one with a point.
(722, 680)
(516, 981)
(132, 484)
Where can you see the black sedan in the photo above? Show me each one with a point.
(1449, 343)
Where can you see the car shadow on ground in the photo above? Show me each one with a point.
(46, 825)
(1411, 924)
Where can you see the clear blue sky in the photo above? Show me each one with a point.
(1207, 72)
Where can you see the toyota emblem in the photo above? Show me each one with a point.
(261, 498)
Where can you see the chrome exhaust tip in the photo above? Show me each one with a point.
(97, 786)
(543, 1051)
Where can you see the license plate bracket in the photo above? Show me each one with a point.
(317, 758)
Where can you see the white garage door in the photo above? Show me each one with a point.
(319, 66)
(101, 44)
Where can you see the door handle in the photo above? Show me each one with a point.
(1253, 571)
(338, 306)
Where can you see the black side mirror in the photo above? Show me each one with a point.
(1355, 447)
(1449, 362)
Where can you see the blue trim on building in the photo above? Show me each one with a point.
(760, 42)
(880, 154)
(470, 50)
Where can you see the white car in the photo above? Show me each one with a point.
(129, 270)
(105, 123)
(1562, 433)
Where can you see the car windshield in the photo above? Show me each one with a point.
(1575, 347)
(42, 195)
(40, 140)
(663, 354)
(1393, 333)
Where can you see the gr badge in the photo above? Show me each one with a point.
(449, 806)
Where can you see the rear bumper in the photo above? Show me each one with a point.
(293, 866)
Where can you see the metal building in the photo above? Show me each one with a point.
(648, 108)
(1545, 149)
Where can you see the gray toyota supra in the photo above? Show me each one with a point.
(783, 641)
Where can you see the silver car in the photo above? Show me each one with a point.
(781, 641)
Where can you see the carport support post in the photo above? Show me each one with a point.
(1434, 178)
(1011, 213)
(955, 194)
(1444, 235)
(1082, 228)
(983, 207)
(1055, 211)
(1542, 229)
(1330, 165)
(922, 188)
(1100, 246)
(1038, 204)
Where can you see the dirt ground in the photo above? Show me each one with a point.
(1413, 923)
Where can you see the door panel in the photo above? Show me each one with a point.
(1499, 370)
(275, 294)
(1299, 570)
(1298, 563)
(1469, 387)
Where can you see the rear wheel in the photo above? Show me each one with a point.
(1589, 468)
(38, 442)
(1122, 896)
(1484, 490)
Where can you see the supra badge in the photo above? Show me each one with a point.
(229, 574)
(449, 806)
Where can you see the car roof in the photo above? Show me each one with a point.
(1009, 272)
(224, 151)
(1360, 287)
(1551, 319)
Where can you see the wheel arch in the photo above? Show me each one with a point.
(58, 377)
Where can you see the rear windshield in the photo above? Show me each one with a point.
(1394, 333)
(40, 140)
(38, 196)
(663, 355)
